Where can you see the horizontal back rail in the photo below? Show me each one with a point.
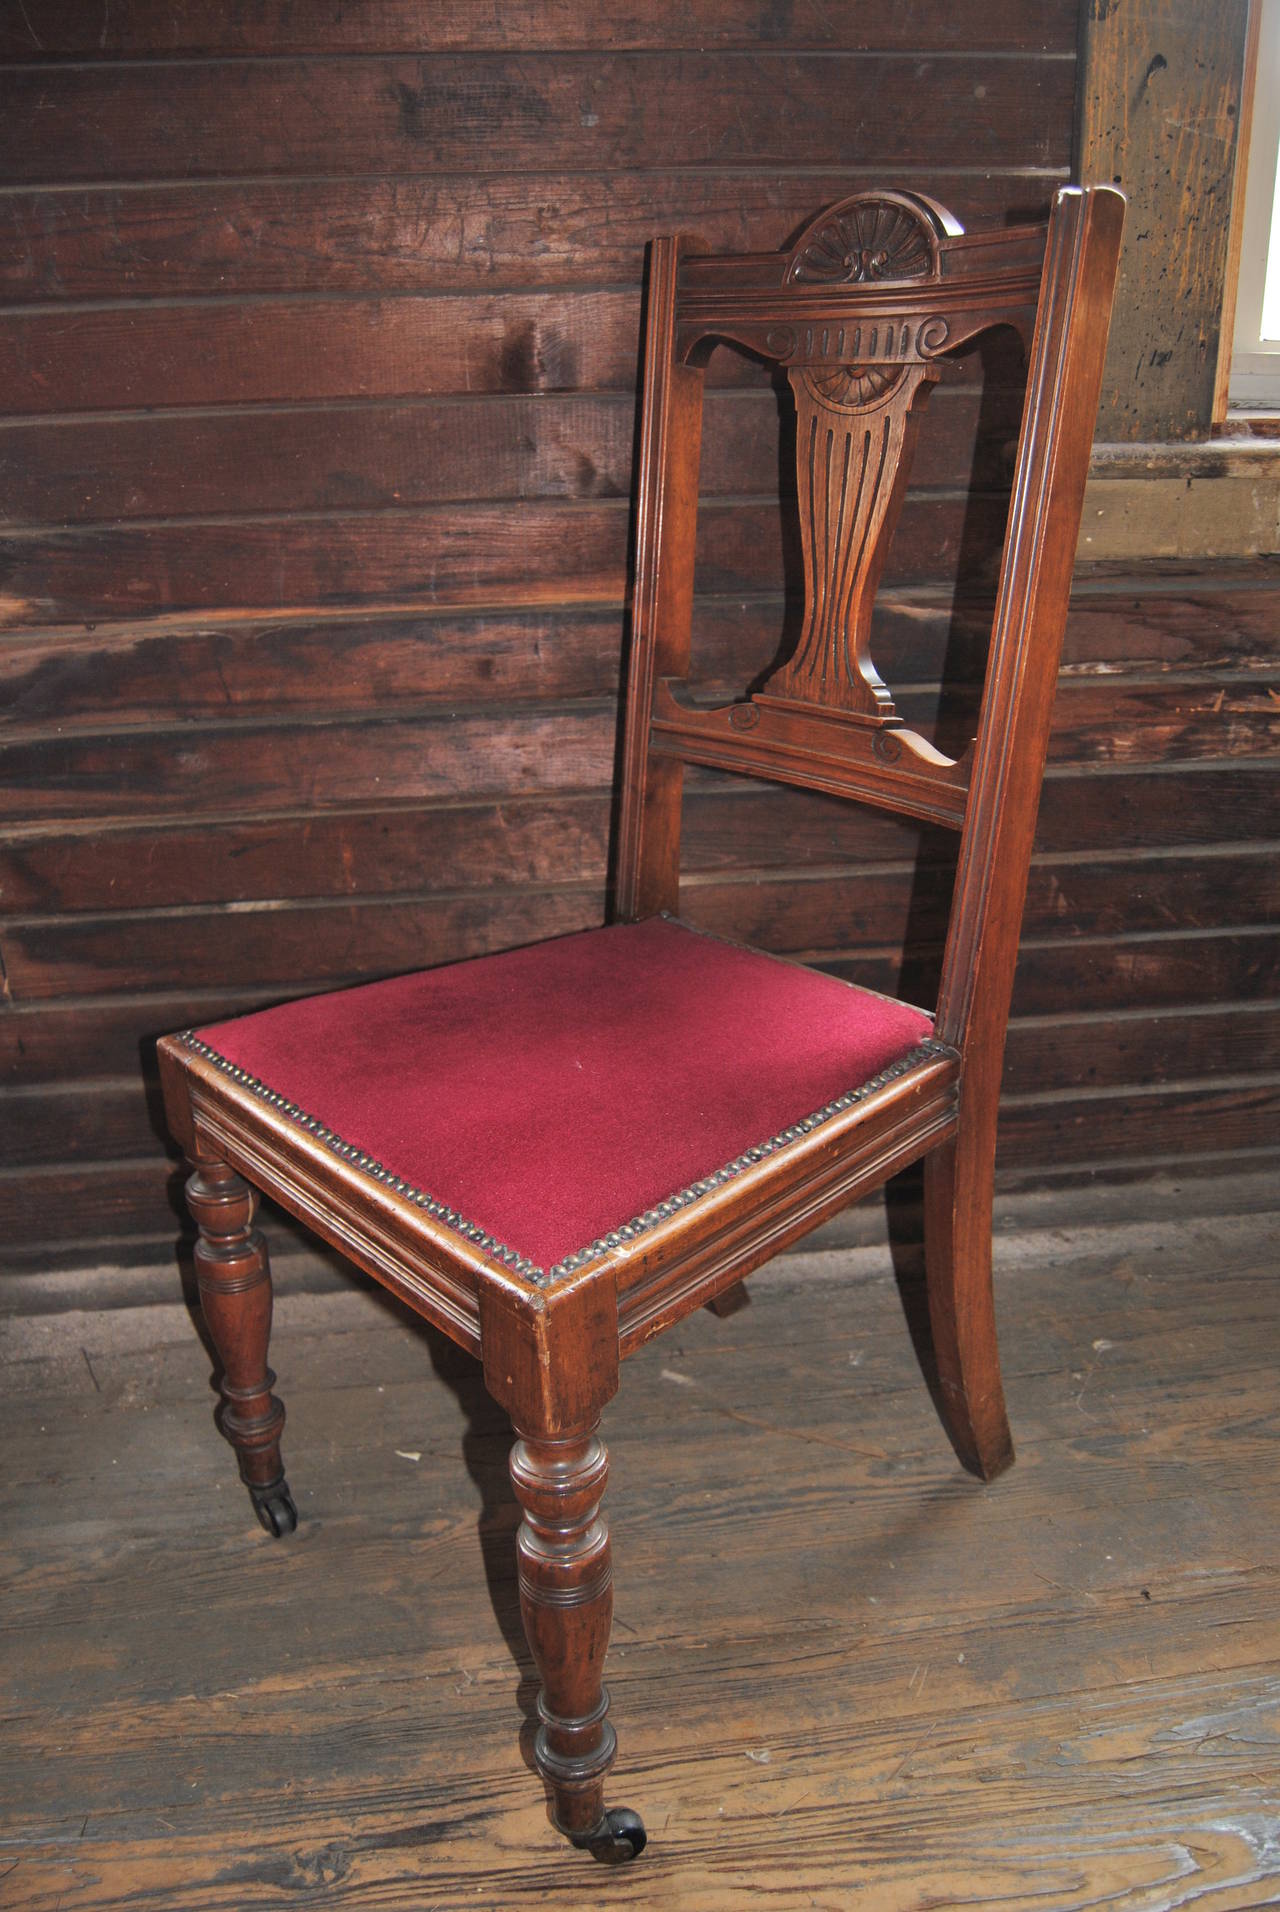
(891, 768)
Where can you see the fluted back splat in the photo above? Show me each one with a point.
(859, 388)
(873, 290)
(853, 427)
(858, 312)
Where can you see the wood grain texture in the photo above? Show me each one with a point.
(1138, 628)
(80, 29)
(382, 456)
(562, 552)
(1172, 976)
(272, 766)
(244, 375)
(290, 947)
(729, 827)
(1088, 1647)
(460, 113)
(1160, 109)
(427, 233)
(217, 352)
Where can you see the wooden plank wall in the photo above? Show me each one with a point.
(318, 346)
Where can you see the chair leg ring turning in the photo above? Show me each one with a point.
(234, 1276)
(565, 1576)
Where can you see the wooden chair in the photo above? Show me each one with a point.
(555, 1153)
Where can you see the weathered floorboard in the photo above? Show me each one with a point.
(1060, 1690)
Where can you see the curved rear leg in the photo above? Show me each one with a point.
(957, 1249)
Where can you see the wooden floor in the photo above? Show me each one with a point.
(844, 1675)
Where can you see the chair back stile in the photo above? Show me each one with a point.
(1063, 383)
(858, 312)
(647, 877)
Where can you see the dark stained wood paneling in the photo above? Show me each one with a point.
(512, 112)
(344, 457)
(313, 665)
(559, 551)
(286, 950)
(89, 1204)
(732, 825)
(305, 663)
(1119, 972)
(1220, 1115)
(222, 351)
(308, 852)
(46, 1046)
(115, 1116)
(1084, 1051)
(1210, 620)
(87, 30)
(221, 769)
(318, 336)
(255, 351)
(289, 946)
(309, 766)
(70, 1041)
(423, 234)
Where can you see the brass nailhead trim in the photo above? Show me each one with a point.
(639, 1225)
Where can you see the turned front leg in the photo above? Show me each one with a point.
(566, 1600)
(234, 1277)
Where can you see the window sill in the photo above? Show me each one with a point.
(1215, 498)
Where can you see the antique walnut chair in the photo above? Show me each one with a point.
(557, 1152)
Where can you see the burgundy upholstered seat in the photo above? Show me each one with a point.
(548, 1096)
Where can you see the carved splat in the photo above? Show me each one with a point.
(859, 389)
(854, 430)
(856, 312)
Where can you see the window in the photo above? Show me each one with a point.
(1255, 351)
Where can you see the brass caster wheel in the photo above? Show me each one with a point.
(273, 1504)
(619, 1838)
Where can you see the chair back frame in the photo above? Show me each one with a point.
(858, 311)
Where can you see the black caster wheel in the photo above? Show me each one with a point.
(618, 1839)
(274, 1507)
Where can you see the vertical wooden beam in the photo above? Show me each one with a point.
(1160, 96)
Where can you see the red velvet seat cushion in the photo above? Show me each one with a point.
(550, 1095)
